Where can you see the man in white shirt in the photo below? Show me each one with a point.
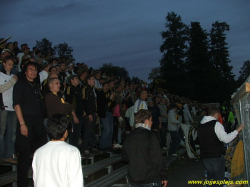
(57, 163)
(45, 73)
(212, 134)
(140, 103)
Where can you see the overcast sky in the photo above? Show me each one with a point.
(123, 32)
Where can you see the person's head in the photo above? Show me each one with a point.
(15, 44)
(105, 87)
(63, 66)
(82, 73)
(74, 80)
(46, 65)
(5, 52)
(144, 116)
(58, 127)
(26, 50)
(173, 106)
(143, 95)
(163, 101)
(97, 75)
(150, 102)
(30, 70)
(214, 112)
(23, 46)
(111, 84)
(54, 84)
(70, 66)
(38, 53)
(131, 86)
(157, 99)
(8, 63)
(52, 69)
(34, 49)
(10, 46)
(90, 80)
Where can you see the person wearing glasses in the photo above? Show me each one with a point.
(29, 108)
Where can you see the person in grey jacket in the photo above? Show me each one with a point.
(173, 126)
(187, 116)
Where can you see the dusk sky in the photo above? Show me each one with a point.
(125, 33)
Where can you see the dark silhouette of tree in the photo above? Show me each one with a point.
(220, 58)
(244, 71)
(117, 71)
(64, 50)
(200, 69)
(174, 51)
(45, 46)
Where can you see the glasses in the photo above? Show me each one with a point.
(30, 69)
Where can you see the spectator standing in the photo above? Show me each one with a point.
(173, 127)
(7, 114)
(212, 134)
(164, 121)
(57, 163)
(30, 133)
(45, 72)
(187, 116)
(143, 153)
(104, 100)
(140, 103)
(73, 96)
(89, 105)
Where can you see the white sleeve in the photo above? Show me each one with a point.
(136, 106)
(75, 175)
(222, 135)
(34, 168)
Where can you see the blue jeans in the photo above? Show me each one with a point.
(215, 168)
(155, 184)
(107, 130)
(176, 140)
(8, 121)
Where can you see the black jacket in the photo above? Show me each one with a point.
(142, 151)
(88, 97)
(102, 103)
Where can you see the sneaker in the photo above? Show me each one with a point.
(118, 146)
(174, 154)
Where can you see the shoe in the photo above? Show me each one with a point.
(164, 148)
(118, 146)
(174, 154)
(10, 160)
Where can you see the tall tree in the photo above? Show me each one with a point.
(64, 50)
(220, 58)
(45, 46)
(199, 67)
(173, 48)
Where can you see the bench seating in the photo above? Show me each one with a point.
(109, 179)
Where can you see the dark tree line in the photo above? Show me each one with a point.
(195, 63)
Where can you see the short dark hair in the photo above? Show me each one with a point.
(89, 77)
(57, 126)
(7, 58)
(38, 51)
(52, 68)
(142, 115)
(25, 67)
(213, 110)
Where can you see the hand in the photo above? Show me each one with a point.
(164, 183)
(241, 126)
(90, 118)
(76, 120)
(15, 77)
(24, 130)
(84, 113)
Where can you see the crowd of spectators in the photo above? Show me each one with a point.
(34, 86)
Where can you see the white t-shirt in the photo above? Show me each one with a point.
(140, 104)
(43, 75)
(57, 164)
(7, 96)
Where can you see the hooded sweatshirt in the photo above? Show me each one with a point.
(187, 115)
(219, 130)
